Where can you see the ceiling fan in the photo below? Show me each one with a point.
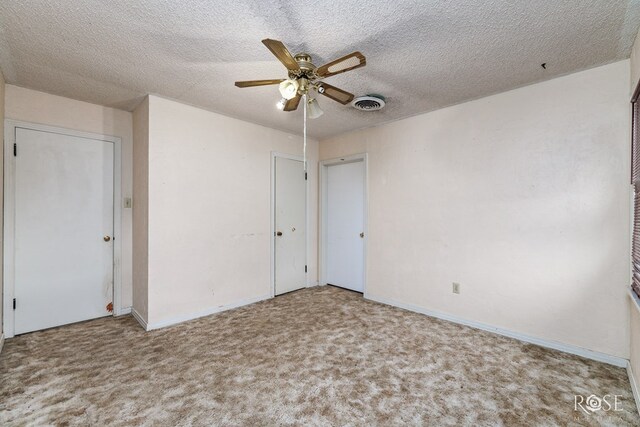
(303, 76)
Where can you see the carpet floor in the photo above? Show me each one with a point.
(320, 357)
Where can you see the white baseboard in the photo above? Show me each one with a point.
(634, 386)
(555, 345)
(213, 310)
(1, 342)
(124, 311)
(139, 318)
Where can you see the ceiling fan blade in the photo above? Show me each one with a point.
(282, 53)
(337, 94)
(292, 104)
(251, 83)
(346, 63)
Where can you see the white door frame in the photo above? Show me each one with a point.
(324, 168)
(9, 214)
(275, 154)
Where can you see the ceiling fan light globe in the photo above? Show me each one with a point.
(313, 109)
(289, 89)
(280, 104)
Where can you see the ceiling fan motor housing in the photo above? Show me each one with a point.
(368, 103)
(304, 62)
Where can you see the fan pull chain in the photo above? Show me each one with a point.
(304, 144)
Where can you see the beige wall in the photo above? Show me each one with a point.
(140, 208)
(2, 91)
(209, 210)
(38, 107)
(635, 63)
(635, 343)
(635, 315)
(521, 197)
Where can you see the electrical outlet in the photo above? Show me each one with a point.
(456, 288)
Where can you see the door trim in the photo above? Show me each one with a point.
(322, 250)
(10, 127)
(272, 220)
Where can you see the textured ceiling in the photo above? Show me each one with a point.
(421, 54)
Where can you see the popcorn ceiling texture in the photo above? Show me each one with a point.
(316, 357)
(421, 55)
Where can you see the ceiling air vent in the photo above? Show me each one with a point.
(368, 103)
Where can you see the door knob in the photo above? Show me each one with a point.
(279, 233)
(106, 238)
(362, 235)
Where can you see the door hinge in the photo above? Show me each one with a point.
(305, 270)
(305, 176)
(15, 149)
(14, 303)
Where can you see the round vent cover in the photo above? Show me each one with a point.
(368, 103)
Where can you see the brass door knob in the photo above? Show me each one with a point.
(106, 238)
(279, 233)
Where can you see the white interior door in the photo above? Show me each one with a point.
(345, 225)
(290, 225)
(63, 229)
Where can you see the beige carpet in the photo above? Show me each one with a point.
(321, 357)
